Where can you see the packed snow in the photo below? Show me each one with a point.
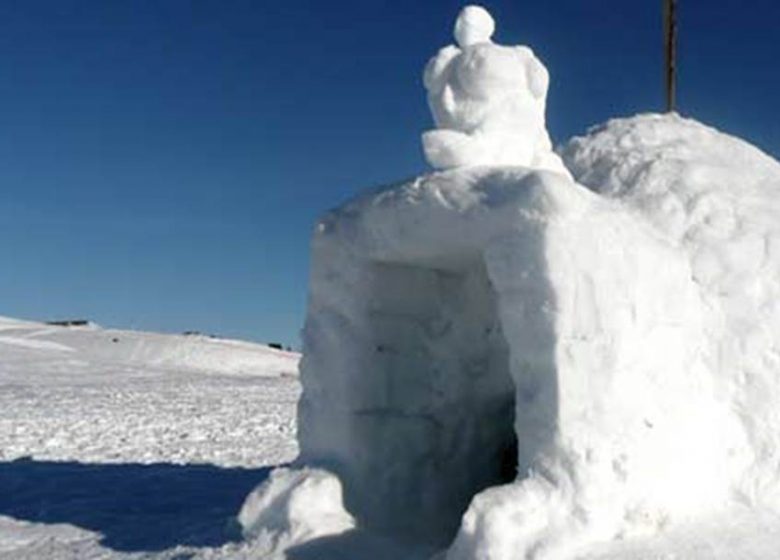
(716, 199)
(502, 362)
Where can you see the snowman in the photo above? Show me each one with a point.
(488, 101)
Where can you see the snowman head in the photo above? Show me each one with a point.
(474, 25)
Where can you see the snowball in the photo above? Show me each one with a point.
(474, 25)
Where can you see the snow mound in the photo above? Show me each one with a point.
(294, 506)
(717, 199)
(488, 101)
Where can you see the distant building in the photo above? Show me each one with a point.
(70, 323)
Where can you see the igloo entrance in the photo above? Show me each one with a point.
(440, 426)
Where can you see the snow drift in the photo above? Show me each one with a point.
(505, 363)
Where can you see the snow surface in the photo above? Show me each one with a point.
(135, 448)
(63, 387)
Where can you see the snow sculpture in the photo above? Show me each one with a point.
(503, 364)
(488, 101)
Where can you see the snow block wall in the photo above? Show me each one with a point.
(503, 363)
(476, 326)
(717, 199)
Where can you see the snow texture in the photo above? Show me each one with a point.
(488, 101)
(112, 395)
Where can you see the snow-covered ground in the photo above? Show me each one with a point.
(108, 457)
(117, 443)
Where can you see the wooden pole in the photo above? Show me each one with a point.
(670, 43)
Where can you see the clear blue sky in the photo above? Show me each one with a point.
(162, 162)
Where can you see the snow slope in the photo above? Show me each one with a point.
(110, 395)
(175, 352)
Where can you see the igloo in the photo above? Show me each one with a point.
(501, 363)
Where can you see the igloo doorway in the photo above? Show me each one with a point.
(429, 369)
(438, 425)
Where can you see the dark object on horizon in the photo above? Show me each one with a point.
(69, 323)
(670, 58)
(198, 333)
(275, 346)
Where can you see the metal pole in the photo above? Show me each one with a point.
(670, 43)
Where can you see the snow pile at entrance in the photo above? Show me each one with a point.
(503, 363)
(292, 507)
(488, 101)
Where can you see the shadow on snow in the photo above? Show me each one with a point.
(135, 507)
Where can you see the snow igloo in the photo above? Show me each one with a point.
(501, 363)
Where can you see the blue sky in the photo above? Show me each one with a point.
(162, 163)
